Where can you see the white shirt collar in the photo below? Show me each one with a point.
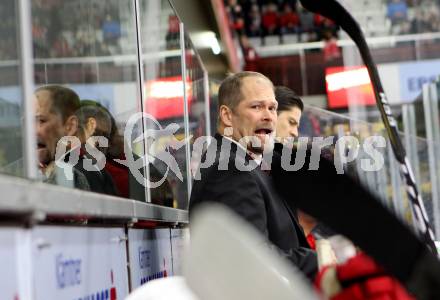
(256, 157)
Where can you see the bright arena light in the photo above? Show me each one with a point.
(206, 39)
(347, 79)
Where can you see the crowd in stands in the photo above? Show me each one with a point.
(85, 28)
(75, 28)
(413, 16)
(259, 18)
(8, 34)
(262, 18)
(93, 27)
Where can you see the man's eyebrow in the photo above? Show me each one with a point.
(294, 120)
(263, 102)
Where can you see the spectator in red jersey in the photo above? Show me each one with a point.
(235, 12)
(331, 49)
(289, 20)
(359, 278)
(322, 25)
(172, 37)
(331, 26)
(318, 20)
(270, 20)
(250, 55)
(61, 48)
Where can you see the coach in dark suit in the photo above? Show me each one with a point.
(247, 120)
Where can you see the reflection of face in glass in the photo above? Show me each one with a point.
(106, 134)
(288, 123)
(49, 127)
(102, 132)
(95, 121)
(255, 116)
(96, 127)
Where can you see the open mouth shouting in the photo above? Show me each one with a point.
(43, 152)
(41, 145)
(263, 133)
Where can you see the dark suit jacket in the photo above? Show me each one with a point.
(251, 194)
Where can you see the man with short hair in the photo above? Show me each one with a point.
(55, 118)
(247, 105)
(248, 118)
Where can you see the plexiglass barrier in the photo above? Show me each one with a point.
(132, 65)
(11, 114)
(164, 94)
(363, 151)
(427, 123)
(121, 70)
(198, 103)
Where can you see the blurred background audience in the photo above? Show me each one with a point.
(285, 21)
(264, 22)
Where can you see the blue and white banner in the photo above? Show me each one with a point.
(79, 263)
(150, 255)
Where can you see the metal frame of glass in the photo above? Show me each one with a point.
(39, 199)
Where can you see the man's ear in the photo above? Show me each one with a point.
(225, 114)
(71, 125)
